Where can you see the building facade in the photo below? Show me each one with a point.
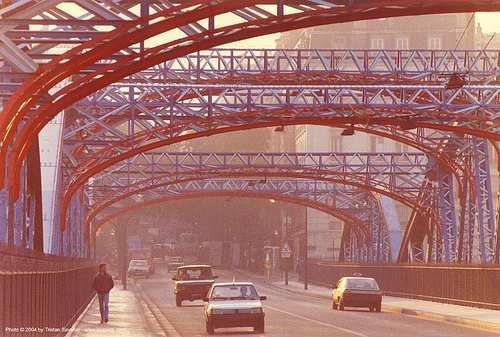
(446, 31)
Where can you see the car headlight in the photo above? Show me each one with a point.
(216, 311)
(257, 311)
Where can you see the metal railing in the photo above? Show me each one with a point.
(469, 285)
(42, 294)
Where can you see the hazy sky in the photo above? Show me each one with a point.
(490, 23)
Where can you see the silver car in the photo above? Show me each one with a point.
(139, 268)
(357, 292)
(234, 304)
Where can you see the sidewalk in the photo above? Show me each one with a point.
(129, 315)
(133, 314)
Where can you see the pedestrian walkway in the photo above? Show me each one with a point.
(132, 314)
(129, 316)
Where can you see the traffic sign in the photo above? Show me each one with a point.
(286, 251)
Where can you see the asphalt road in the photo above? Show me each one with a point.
(293, 315)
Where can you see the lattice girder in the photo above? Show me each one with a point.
(200, 34)
(340, 203)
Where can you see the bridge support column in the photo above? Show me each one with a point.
(3, 215)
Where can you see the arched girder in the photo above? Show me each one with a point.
(286, 113)
(312, 67)
(116, 158)
(356, 224)
(206, 117)
(129, 192)
(139, 30)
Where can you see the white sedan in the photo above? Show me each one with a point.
(234, 304)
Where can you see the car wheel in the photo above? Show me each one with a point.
(341, 304)
(378, 308)
(259, 328)
(371, 309)
(210, 328)
(334, 305)
(178, 302)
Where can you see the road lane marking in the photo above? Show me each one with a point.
(315, 321)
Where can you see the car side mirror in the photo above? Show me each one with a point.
(215, 277)
(262, 298)
(205, 299)
(174, 278)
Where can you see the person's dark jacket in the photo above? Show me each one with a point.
(102, 283)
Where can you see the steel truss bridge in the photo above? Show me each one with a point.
(344, 185)
(132, 77)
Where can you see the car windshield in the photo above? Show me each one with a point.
(234, 292)
(368, 284)
(176, 259)
(195, 274)
(138, 263)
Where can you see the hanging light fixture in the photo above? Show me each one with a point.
(348, 131)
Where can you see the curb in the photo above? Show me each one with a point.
(445, 318)
(152, 321)
(163, 323)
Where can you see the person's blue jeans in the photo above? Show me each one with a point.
(103, 305)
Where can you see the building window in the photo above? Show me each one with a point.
(401, 147)
(339, 43)
(402, 43)
(377, 44)
(434, 43)
(336, 144)
(377, 144)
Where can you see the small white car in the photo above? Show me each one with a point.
(139, 268)
(234, 304)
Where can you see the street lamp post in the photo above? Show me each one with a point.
(124, 254)
(305, 258)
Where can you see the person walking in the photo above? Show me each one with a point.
(102, 284)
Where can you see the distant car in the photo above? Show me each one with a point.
(357, 292)
(174, 262)
(158, 251)
(139, 268)
(235, 304)
(192, 282)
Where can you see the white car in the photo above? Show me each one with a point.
(234, 304)
(139, 268)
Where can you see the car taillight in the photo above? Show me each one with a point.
(257, 311)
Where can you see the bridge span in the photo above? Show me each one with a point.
(131, 78)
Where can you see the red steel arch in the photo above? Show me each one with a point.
(404, 198)
(130, 33)
(356, 224)
(72, 186)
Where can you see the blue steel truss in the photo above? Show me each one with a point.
(25, 51)
(275, 105)
(348, 203)
(154, 175)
